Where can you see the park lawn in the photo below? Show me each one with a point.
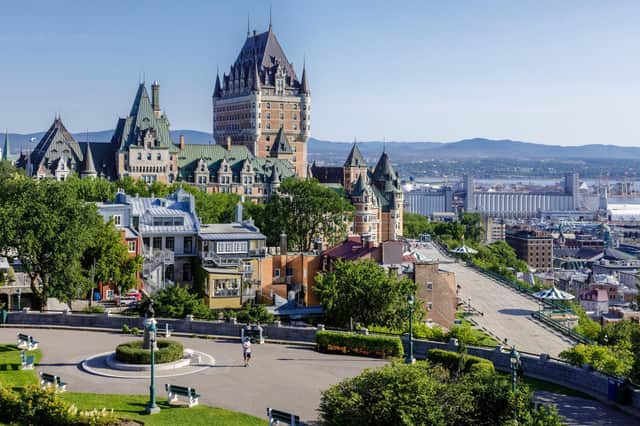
(10, 373)
(541, 385)
(479, 336)
(133, 407)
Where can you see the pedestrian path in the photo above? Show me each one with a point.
(579, 411)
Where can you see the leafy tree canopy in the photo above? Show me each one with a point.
(304, 210)
(365, 293)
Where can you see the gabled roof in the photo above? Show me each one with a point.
(355, 158)
(281, 144)
(56, 143)
(266, 49)
(141, 120)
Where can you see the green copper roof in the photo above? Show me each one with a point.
(142, 123)
(355, 158)
(281, 144)
(236, 158)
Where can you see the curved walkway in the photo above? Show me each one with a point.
(579, 411)
(286, 377)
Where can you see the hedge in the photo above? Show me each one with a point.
(358, 344)
(132, 352)
(451, 361)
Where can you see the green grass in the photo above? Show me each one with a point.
(10, 373)
(133, 407)
(124, 406)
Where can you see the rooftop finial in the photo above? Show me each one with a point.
(248, 24)
(270, 17)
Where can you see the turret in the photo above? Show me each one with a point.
(88, 168)
(5, 147)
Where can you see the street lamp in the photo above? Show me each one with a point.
(19, 291)
(514, 360)
(410, 359)
(606, 340)
(152, 408)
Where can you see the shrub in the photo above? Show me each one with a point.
(359, 344)
(254, 314)
(132, 352)
(35, 406)
(135, 331)
(452, 361)
(420, 331)
(482, 369)
(616, 361)
(178, 302)
(126, 329)
(93, 309)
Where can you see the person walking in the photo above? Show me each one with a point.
(246, 351)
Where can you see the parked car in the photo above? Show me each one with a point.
(136, 294)
(127, 301)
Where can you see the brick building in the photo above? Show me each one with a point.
(261, 95)
(534, 247)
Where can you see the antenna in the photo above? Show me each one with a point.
(270, 6)
(248, 24)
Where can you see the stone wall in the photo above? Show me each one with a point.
(539, 367)
(213, 328)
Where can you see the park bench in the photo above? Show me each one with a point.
(26, 361)
(277, 416)
(47, 380)
(24, 340)
(174, 391)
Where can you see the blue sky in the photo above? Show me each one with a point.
(555, 72)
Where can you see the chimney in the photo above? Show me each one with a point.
(283, 243)
(181, 142)
(155, 99)
(228, 140)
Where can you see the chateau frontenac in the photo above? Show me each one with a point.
(261, 125)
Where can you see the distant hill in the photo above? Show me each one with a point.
(326, 152)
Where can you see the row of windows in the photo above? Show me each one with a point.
(169, 243)
(226, 247)
(168, 221)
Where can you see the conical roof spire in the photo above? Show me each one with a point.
(281, 144)
(304, 84)
(384, 170)
(88, 167)
(355, 158)
(358, 187)
(5, 147)
(275, 177)
(217, 92)
(255, 78)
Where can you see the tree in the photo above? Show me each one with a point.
(178, 302)
(50, 228)
(304, 210)
(364, 292)
(414, 225)
(107, 259)
(401, 394)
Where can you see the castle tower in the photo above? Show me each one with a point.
(354, 167)
(5, 147)
(87, 167)
(260, 95)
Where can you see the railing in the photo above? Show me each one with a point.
(543, 317)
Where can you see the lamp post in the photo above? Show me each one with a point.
(19, 291)
(514, 360)
(410, 359)
(152, 408)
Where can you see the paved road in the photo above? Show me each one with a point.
(579, 411)
(507, 314)
(286, 377)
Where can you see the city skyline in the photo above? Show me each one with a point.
(561, 75)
